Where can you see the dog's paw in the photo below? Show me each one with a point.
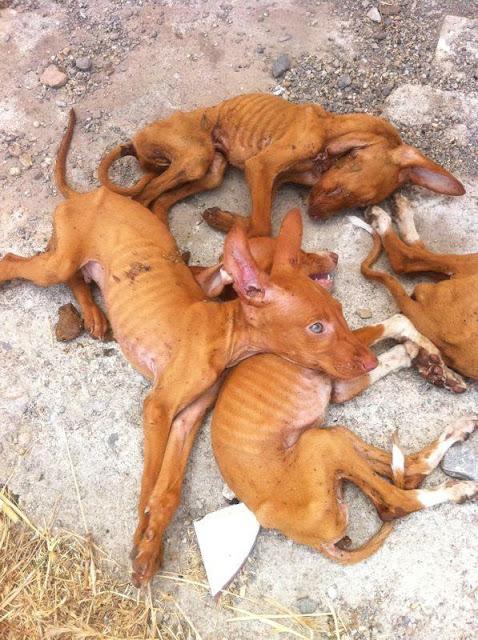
(432, 367)
(95, 322)
(222, 220)
(146, 558)
(462, 490)
(462, 428)
(379, 219)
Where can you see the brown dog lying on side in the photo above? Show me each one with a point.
(350, 160)
(447, 311)
(290, 473)
(176, 337)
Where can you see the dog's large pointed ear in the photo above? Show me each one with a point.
(288, 243)
(349, 141)
(249, 282)
(420, 170)
(212, 280)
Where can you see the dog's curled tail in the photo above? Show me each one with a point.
(351, 556)
(403, 300)
(60, 164)
(118, 152)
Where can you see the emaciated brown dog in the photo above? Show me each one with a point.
(174, 335)
(447, 311)
(350, 160)
(289, 472)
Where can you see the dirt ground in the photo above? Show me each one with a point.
(127, 63)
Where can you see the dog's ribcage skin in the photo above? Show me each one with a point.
(247, 124)
(262, 408)
(148, 290)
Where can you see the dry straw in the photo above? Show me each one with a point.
(61, 586)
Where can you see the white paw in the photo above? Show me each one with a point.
(462, 428)
(464, 490)
(379, 219)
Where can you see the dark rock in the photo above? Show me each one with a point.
(69, 325)
(113, 439)
(281, 65)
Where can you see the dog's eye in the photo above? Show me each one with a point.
(317, 327)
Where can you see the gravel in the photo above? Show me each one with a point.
(399, 50)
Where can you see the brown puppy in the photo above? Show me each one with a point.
(290, 473)
(177, 338)
(349, 160)
(447, 311)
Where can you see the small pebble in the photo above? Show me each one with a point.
(365, 314)
(281, 65)
(53, 77)
(344, 81)
(306, 605)
(389, 8)
(26, 160)
(374, 15)
(83, 64)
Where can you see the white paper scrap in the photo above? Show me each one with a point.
(226, 538)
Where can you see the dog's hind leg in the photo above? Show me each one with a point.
(57, 264)
(416, 466)
(408, 254)
(211, 180)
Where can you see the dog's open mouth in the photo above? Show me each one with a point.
(325, 280)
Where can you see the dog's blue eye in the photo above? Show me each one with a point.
(317, 327)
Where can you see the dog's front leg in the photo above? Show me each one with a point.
(166, 453)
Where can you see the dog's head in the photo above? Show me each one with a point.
(286, 312)
(364, 169)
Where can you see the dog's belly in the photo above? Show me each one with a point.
(142, 308)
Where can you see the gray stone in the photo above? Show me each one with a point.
(113, 439)
(53, 77)
(344, 81)
(461, 461)
(374, 15)
(306, 605)
(281, 65)
(83, 64)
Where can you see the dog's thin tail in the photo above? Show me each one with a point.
(118, 152)
(351, 556)
(60, 164)
(403, 300)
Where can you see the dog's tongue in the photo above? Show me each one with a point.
(324, 279)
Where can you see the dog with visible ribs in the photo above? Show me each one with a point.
(349, 160)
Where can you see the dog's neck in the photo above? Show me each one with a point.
(242, 338)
